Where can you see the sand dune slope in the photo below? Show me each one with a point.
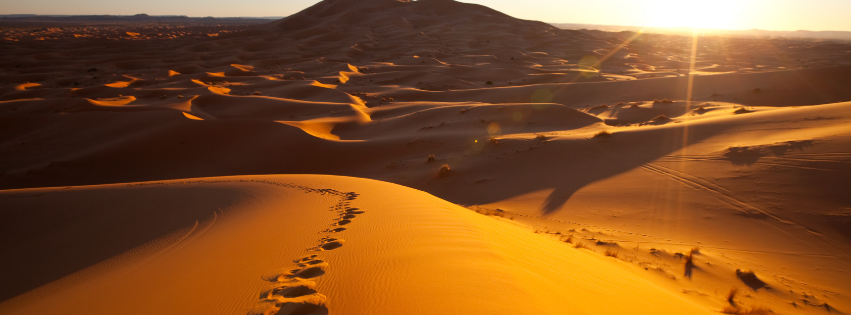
(296, 244)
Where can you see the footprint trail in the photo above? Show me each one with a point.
(295, 290)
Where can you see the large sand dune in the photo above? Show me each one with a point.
(689, 169)
(300, 244)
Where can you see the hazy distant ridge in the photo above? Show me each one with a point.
(836, 35)
(66, 20)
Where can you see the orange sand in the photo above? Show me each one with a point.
(615, 175)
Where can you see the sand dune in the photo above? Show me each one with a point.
(680, 176)
(251, 244)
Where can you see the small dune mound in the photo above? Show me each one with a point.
(661, 119)
(603, 134)
(660, 112)
(658, 120)
(596, 110)
(742, 110)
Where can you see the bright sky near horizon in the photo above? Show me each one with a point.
(782, 15)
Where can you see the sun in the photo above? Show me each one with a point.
(716, 14)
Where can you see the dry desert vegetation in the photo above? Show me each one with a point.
(421, 157)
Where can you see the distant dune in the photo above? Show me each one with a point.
(420, 157)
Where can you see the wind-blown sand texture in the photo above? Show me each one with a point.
(617, 175)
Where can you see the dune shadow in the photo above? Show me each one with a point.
(594, 159)
(689, 269)
(46, 237)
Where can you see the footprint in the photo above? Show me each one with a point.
(335, 230)
(310, 263)
(302, 309)
(344, 222)
(293, 291)
(310, 272)
(306, 258)
(349, 216)
(299, 299)
(353, 211)
(331, 245)
(285, 290)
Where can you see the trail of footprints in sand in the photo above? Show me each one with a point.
(295, 290)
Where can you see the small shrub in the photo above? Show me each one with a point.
(494, 140)
(541, 137)
(580, 245)
(661, 118)
(732, 295)
(690, 259)
(635, 106)
(430, 158)
(602, 134)
(611, 253)
(489, 212)
(489, 83)
(568, 239)
(444, 170)
(742, 311)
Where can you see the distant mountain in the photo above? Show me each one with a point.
(72, 20)
(755, 33)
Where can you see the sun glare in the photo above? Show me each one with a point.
(717, 14)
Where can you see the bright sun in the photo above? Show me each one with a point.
(721, 14)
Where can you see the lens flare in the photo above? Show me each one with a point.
(542, 96)
(494, 129)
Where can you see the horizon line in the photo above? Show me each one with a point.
(551, 23)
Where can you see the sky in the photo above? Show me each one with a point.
(780, 15)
